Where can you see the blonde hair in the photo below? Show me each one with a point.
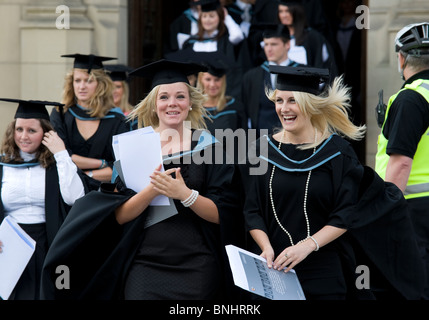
(145, 111)
(10, 150)
(328, 112)
(102, 100)
(221, 98)
(124, 104)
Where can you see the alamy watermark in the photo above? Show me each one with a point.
(63, 20)
(62, 282)
(362, 21)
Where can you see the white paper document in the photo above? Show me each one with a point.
(18, 247)
(155, 213)
(139, 152)
(251, 273)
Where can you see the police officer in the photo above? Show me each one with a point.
(403, 145)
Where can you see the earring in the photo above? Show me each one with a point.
(190, 108)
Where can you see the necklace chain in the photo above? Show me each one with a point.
(307, 221)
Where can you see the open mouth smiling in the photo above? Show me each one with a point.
(289, 118)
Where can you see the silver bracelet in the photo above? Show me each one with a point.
(191, 199)
(314, 240)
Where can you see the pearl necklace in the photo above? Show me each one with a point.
(307, 221)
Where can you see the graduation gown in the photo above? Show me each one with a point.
(91, 227)
(99, 145)
(344, 194)
(55, 211)
(237, 57)
(313, 43)
(182, 24)
(232, 117)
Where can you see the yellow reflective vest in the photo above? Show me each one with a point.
(418, 182)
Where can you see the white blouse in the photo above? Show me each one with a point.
(23, 189)
(235, 37)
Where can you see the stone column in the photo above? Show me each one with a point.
(387, 18)
(42, 45)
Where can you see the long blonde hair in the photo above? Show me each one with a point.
(145, 111)
(221, 98)
(102, 100)
(328, 112)
(124, 103)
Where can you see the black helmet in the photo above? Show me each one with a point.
(412, 38)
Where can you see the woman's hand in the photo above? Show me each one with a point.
(293, 255)
(268, 254)
(166, 185)
(133, 207)
(261, 238)
(53, 142)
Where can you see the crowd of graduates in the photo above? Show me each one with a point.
(229, 65)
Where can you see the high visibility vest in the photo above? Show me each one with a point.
(418, 181)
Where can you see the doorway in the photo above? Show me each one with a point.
(148, 29)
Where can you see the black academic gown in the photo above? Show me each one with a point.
(232, 117)
(56, 211)
(55, 207)
(99, 145)
(100, 252)
(231, 127)
(182, 24)
(313, 43)
(237, 56)
(344, 194)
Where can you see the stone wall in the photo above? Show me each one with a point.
(32, 42)
(387, 17)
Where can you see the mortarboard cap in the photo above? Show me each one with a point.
(168, 71)
(208, 5)
(302, 79)
(87, 61)
(32, 109)
(290, 2)
(217, 63)
(274, 31)
(118, 72)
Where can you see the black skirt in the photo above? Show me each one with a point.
(174, 261)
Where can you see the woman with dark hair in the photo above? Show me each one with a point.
(39, 183)
(308, 46)
(217, 31)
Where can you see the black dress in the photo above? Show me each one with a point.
(337, 196)
(174, 261)
(99, 145)
(321, 272)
